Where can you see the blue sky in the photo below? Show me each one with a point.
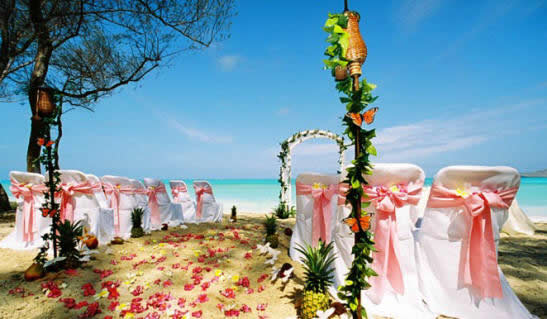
(460, 82)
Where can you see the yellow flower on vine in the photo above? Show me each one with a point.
(462, 193)
(394, 189)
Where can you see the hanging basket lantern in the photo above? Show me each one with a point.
(45, 106)
(357, 49)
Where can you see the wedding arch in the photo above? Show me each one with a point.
(285, 157)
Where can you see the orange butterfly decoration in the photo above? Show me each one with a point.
(48, 212)
(368, 116)
(352, 223)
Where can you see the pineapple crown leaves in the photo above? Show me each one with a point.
(271, 224)
(136, 217)
(318, 266)
(68, 239)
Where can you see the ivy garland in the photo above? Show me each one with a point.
(356, 101)
(285, 158)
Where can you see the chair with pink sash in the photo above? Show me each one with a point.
(180, 194)
(394, 191)
(162, 210)
(456, 246)
(78, 202)
(207, 208)
(98, 190)
(316, 211)
(120, 194)
(30, 225)
(141, 196)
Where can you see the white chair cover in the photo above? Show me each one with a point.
(211, 209)
(518, 223)
(15, 240)
(126, 202)
(179, 190)
(303, 228)
(99, 194)
(392, 304)
(142, 201)
(170, 213)
(86, 208)
(439, 244)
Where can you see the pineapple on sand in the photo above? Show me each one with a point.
(271, 231)
(318, 277)
(136, 221)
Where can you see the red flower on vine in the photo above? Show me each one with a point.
(46, 212)
(41, 141)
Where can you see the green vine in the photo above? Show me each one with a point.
(356, 101)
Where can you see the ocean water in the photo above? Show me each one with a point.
(261, 195)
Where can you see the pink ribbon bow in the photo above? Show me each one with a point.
(478, 262)
(178, 190)
(66, 192)
(386, 257)
(27, 192)
(199, 192)
(113, 192)
(153, 192)
(322, 211)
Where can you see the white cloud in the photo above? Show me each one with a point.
(229, 62)
(412, 12)
(434, 136)
(199, 135)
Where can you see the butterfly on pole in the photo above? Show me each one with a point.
(367, 117)
(364, 220)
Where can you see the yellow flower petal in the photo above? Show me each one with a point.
(394, 189)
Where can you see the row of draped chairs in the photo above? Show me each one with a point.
(104, 205)
(437, 259)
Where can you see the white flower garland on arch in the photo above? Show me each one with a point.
(285, 157)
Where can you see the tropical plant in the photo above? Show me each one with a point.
(283, 211)
(271, 230)
(318, 272)
(234, 214)
(68, 242)
(136, 221)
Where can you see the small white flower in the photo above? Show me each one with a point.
(325, 314)
(275, 271)
(274, 252)
(270, 261)
(263, 249)
(287, 274)
(183, 226)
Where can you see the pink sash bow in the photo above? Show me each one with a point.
(113, 192)
(178, 190)
(153, 191)
(322, 211)
(199, 192)
(66, 192)
(386, 257)
(478, 262)
(27, 192)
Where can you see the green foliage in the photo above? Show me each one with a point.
(355, 101)
(318, 266)
(283, 211)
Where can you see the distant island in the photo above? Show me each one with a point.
(542, 173)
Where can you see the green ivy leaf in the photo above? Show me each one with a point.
(371, 150)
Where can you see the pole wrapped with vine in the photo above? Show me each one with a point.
(49, 159)
(357, 96)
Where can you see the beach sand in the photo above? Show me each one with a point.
(521, 258)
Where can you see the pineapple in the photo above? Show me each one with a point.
(136, 220)
(319, 276)
(69, 234)
(271, 231)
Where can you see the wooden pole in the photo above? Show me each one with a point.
(358, 234)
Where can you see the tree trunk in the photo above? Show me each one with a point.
(37, 79)
(4, 200)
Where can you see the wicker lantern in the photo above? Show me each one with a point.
(357, 49)
(45, 106)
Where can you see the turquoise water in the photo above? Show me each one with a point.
(261, 195)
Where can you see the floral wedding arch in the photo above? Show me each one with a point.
(285, 157)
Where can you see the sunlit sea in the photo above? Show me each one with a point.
(261, 195)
